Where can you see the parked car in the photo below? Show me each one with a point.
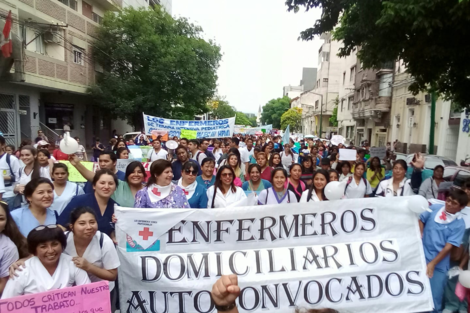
(430, 162)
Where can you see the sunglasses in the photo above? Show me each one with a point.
(193, 172)
(42, 227)
(226, 174)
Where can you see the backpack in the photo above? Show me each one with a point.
(349, 183)
(101, 238)
(12, 175)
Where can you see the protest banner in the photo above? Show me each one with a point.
(379, 152)
(347, 154)
(205, 129)
(163, 133)
(359, 255)
(90, 298)
(122, 164)
(239, 129)
(74, 175)
(188, 134)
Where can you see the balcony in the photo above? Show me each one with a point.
(386, 68)
(371, 108)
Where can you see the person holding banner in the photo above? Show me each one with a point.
(91, 250)
(49, 268)
(316, 192)
(104, 185)
(278, 193)
(64, 190)
(195, 192)
(160, 191)
(255, 183)
(441, 230)
(39, 194)
(224, 191)
(207, 178)
(107, 160)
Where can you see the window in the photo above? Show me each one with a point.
(316, 105)
(325, 82)
(40, 46)
(318, 83)
(70, 3)
(352, 74)
(344, 77)
(342, 104)
(77, 56)
(350, 102)
(96, 18)
(349, 132)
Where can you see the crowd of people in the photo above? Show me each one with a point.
(55, 233)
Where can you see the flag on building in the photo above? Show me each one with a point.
(6, 44)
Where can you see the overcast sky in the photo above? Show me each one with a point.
(261, 53)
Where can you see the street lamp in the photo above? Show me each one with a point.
(321, 109)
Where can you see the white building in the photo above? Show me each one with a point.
(318, 104)
(346, 122)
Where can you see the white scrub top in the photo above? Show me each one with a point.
(35, 278)
(8, 255)
(103, 257)
(354, 190)
(60, 202)
(153, 156)
(221, 200)
(313, 198)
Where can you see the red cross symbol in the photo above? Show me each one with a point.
(185, 192)
(155, 191)
(443, 216)
(146, 233)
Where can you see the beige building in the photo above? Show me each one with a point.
(411, 119)
(346, 122)
(54, 70)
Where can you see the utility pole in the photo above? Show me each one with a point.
(433, 121)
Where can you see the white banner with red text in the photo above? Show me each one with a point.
(362, 255)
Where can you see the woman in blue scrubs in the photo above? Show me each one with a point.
(104, 185)
(39, 193)
(194, 191)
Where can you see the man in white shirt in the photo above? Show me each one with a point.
(10, 169)
(157, 153)
(246, 152)
(196, 154)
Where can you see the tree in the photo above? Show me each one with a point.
(253, 121)
(273, 111)
(241, 119)
(334, 117)
(220, 108)
(430, 36)
(155, 64)
(292, 117)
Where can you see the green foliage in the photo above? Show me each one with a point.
(253, 121)
(334, 116)
(430, 36)
(273, 111)
(241, 119)
(292, 117)
(154, 64)
(222, 110)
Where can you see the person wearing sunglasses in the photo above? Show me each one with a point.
(160, 191)
(224, 191)
(194, 192)
(39, 194)
(49, 268)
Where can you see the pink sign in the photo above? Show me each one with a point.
(91, 298)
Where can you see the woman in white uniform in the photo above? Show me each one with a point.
(45, 163)
(398, 185)
(224, 191)
(12, 243)
(316, 192)
(30, 170)
(49, 268)
(356, 186)
(278, 193)
(91, 250)
(64, 190)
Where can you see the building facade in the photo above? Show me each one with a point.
(346, 122)
(56, 68)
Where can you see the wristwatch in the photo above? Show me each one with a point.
(225, 308)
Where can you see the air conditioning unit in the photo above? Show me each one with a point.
(52, 36)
